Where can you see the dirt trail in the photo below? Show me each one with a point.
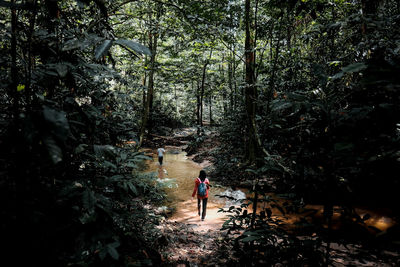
(194, 240)
(191, 244)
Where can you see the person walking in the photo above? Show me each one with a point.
(160, 152)
(201, 186)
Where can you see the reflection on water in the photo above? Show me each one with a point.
(179, 174)
(162, 172)
(377, 219)
(314, 214)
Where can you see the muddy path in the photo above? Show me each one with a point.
(191, 241)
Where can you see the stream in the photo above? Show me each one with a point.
(179, 172)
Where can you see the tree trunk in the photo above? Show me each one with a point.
(14, 70)
(369, 8)
(210, 108)
(232, 76)
(274, 66)
(235, 91)
(198, 103)
(230, 84)
(224, 90)
(150, 94)
(144, 80)
(203, 80)
(250, 90)
(176, 104)
(28, 90)
(17, 232)
(202, 93)
(147, 121)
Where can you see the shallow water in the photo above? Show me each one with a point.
(179, 173)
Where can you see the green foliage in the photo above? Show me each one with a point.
(327, 110)
(72, 193)
(196, 141)
(325, 92)
(269, 241)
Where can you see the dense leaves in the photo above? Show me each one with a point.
(71, 191)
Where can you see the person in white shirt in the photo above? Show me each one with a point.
(160, 152)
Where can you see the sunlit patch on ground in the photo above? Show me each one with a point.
(187, 213)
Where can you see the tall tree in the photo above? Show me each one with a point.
(153, 43)
(251, 89)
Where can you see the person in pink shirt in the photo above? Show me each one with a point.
(201, 186)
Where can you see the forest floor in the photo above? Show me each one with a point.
(191, 242)
(191, 245)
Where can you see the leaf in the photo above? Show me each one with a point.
(71, 44)
(131, 165)
(138, 48)
(335, 25)
(282, 105)
(343, 146)
(110, 164)
(252, 171)
(132, 188)
(13, 5)
(117, 178)
(335, 63)
(83, 43)
(88, 199)
(58, 122)
(103, 254)
(111, 249)
(80, 148)
(123, 156)
(87, 218)
(81, 4)
(103, 48)
(355, 67)
(104, 150)
(250, 238)
(20, 87)
(251, 233)
(54, 150)
(142, 157)
(62, 69)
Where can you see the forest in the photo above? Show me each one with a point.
(294, 104)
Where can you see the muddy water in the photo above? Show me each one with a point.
(179, 173)
(378, 219)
